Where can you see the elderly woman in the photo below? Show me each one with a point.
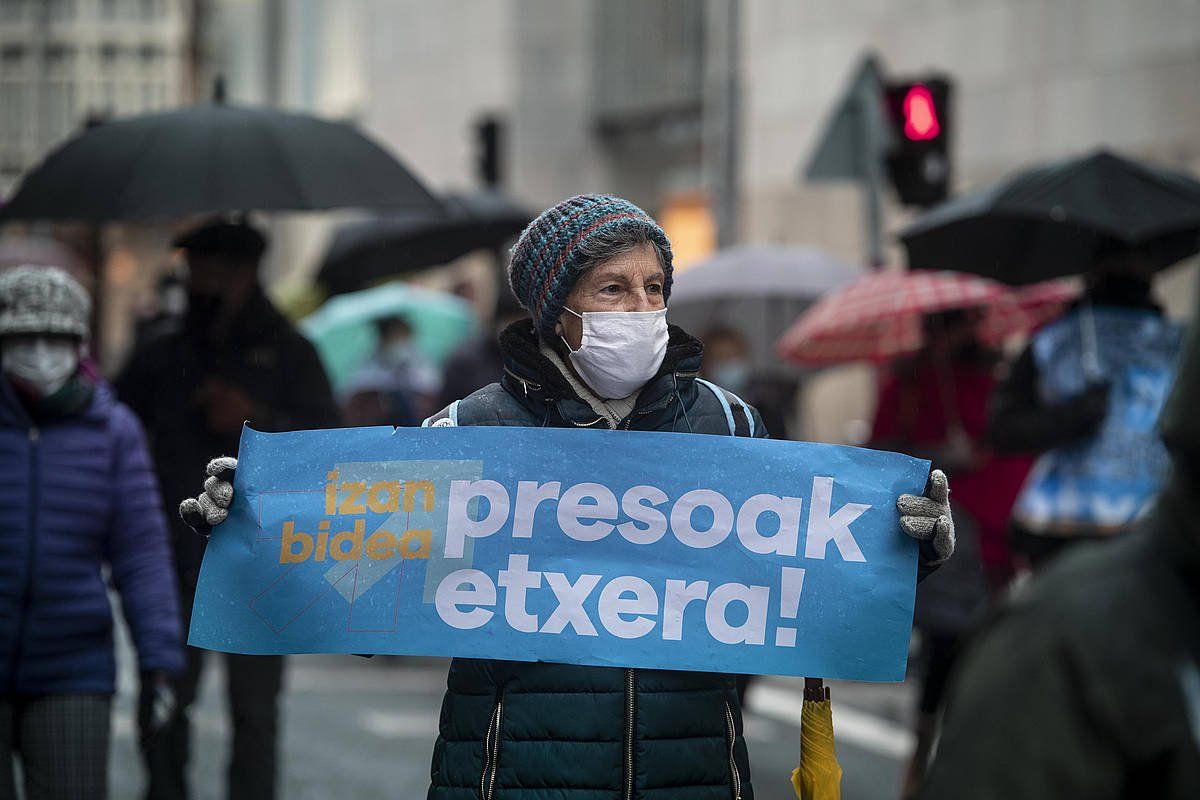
(594, 273)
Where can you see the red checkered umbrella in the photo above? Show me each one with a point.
(879, 317)
(1026, 309)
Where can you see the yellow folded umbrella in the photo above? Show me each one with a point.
(819, 776)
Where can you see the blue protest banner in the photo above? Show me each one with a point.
(612, 548)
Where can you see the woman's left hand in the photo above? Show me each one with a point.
(928, 519)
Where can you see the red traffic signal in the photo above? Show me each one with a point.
(920, 114)
(919, 162)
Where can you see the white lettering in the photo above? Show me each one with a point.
(681, 518)
(531, 494)
(460, 526)
(783, 541)
(754, 629)
(571, 509)
(638, 504)
(451, 594)
(570, 598)
(517, 580)
(675, 603)
(824, 527)
(613, 605)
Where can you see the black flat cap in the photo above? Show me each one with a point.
(221, 237)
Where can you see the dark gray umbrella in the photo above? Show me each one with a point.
(214, 157)
(364, 253)
(1059, 219)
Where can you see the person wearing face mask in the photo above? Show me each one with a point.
(727, 363)
(596, 352)
(397, 385)
(77, 494)
(234, 359)
(1029, 415)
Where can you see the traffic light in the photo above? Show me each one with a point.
(919, 163)
(488, 133)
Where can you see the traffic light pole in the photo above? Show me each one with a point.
(872, 189)
(871, 148)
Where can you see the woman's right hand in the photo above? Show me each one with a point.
(210, 509)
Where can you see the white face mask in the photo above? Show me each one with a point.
(45, 364)
(620, 350)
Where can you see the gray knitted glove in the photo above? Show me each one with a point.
(928, 519)
(210, 509)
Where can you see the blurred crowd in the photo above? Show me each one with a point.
(1020, 648)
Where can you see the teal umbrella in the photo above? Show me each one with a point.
(344, 331)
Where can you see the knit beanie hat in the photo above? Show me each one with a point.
(546, 259)
(42, 300)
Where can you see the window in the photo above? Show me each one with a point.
(59, 57)
(649, 59)
(61, 10)
(12, 57)
(13, 114)
(58, 105)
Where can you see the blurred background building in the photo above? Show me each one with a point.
(65, 62)
(703, 111)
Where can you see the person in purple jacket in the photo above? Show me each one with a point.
(77, 495)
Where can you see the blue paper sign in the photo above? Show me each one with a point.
(612, 548)
(1102, 483)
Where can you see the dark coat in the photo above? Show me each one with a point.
(1088, 684)
(534, 730)
(262, 355)
(75, 493)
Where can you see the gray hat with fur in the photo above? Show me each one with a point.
(43, 300)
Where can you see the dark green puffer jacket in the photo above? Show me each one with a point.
(513, 730)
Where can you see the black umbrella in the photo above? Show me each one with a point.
(1059, 219)
(214, 157)
(362, 253)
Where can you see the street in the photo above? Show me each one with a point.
(359, 729)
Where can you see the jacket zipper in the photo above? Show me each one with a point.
(30, 561)
(630, 719)
(628, 422)
(733, 770)
(491, 750)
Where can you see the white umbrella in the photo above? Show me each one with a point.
(774, 271)
(758, 290)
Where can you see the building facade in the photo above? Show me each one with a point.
(686, 105)
(65, 62)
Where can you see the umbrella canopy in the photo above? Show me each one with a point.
(819, 775)
(757, 290)
(1059, 219)
(344, 333)
(879, 317)
(802, 273)
(214, 157)
(364, 253)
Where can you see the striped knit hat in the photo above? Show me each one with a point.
(42, 300)
(545, 260)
